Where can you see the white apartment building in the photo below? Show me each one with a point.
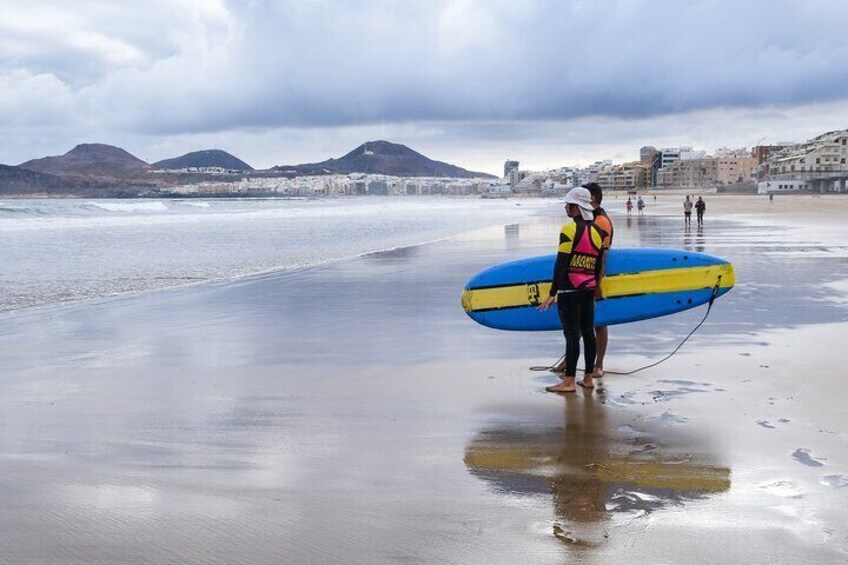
(827, 153)
(821, 161)
(670, 155)
(819, 164)
(775, 186)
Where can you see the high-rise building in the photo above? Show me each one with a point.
(646, 152)
(652, 159)
(510, 166)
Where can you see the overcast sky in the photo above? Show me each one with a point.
(472, 82)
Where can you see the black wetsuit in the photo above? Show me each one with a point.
(574, 282)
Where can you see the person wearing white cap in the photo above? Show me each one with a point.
(575, 279)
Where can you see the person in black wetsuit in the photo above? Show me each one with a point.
(573, 287)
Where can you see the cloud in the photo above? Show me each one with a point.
(34, 100)
(200, 68)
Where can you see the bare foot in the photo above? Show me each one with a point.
(588, 380)
(567, 385)
(599, 379)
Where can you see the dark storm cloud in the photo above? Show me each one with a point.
(547, 60)
(191, 66)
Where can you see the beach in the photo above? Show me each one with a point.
(350, 411)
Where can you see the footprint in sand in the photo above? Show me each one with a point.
(803, 456)
(783, 489)
(835, 481)
(769, 425)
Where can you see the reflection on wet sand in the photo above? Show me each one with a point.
(512, 236)
(593, 470)
(695, 243)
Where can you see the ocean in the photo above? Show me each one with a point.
(56, 251)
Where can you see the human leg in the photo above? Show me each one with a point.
(601, 338)
(569, 315)
(587, 331)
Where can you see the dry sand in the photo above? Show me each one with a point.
(353, 413)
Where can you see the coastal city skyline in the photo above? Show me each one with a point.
(456, 80)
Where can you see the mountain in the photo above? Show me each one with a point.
(206, 158)
(19, 181)
(385, 158)
(90, 160)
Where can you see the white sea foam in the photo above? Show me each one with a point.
(154, 206)
(103, 248)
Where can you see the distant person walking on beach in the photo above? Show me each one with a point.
(687, 211)
(629, 205)
(640, 205)
(700, 207)
(573, 287)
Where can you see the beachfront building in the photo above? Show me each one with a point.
(531, 183)
(551, 187)
(622, 177)
(566, 177)
(652, 159)
(735, 167)
(775, 186)
(590, 173)
(515, 177)
(821, 163)
(670, 155)
(688, 173)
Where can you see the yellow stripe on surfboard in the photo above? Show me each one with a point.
(613, 286)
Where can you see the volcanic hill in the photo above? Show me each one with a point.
(385, 158)
(204, 159)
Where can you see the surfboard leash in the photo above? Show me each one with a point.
(713, 296)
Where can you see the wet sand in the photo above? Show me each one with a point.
(353, 413)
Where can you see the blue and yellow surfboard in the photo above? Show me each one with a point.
(641, 283)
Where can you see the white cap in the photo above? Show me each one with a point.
(583, 199)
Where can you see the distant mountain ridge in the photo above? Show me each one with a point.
(204, 159)
(385, 158)
(17, 180)
(97, 169)
(90, 159)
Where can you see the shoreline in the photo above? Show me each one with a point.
(314, 258)
(372, 421)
